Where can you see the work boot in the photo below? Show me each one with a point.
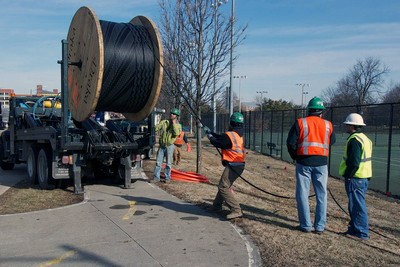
(234, 215)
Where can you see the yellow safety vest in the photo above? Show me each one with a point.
(365, 168)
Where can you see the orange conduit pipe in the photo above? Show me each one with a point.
(188, 176)
(183, 176)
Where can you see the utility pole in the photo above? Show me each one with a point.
(231, 61)
(215, 6)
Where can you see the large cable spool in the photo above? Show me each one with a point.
(114, 66)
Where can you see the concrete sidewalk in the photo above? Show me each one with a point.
(11, 178)
(141, 226)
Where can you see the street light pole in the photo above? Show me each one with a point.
(262, 99)
(262, 119)
(302, 93)
(240, 82)
(231, 61)
(215, 6)
(305, 97)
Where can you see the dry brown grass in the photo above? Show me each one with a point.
(25, 197)
(271, 221)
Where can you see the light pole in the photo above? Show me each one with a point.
(262, 119)
(305, 97)
(215, 6)
(302, 91)
(231, 61)
(302, 94)
(262, 99)
(240, 82)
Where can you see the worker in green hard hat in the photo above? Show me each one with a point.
(308, 143)
(233, 158)
(168, 130)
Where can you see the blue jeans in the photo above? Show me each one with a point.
(167, 152)
(356, 189)
(318, 176)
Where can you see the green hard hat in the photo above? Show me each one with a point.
(237, 117)
(175, 111)
(316, 103)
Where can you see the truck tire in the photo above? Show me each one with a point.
(5, 165)
(44, 168)
(31, 164)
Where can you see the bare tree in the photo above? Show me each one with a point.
(196, 53)
(393, 95)
(360, 85)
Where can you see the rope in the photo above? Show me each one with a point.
(128, 67)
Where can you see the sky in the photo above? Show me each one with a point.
(288, 42)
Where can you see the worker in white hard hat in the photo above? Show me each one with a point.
(356, 168)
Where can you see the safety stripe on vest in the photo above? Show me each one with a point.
(235, 143)
(307, 144)
(364, 159)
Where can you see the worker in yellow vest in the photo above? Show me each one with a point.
(168, 130)
(356, 168)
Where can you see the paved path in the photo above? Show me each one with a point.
(141, 226)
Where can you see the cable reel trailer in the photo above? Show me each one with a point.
(57, 136)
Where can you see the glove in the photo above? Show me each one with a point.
(206, 130)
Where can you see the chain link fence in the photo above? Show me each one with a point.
(266, 132)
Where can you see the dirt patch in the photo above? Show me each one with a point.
(271, 221)
(25, 197)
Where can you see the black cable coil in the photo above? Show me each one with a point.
(128, 67)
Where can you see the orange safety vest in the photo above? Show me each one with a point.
(236, 153)
(314, 136)
(179, 139)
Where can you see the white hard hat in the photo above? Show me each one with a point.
(354, 119)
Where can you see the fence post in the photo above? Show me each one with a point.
(330, 152)
(282, 122)
(262, 130)
(389, 150)
(254, 131)
(270, 131)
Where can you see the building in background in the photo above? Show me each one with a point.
(5, 97)
(41, 91)
(5, 106)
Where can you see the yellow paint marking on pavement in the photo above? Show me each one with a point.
(59, 259)
(131, 211)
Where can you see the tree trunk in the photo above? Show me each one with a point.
(198, 139)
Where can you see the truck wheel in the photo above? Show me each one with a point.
(5, 165)
(31, 164)
(44, 168)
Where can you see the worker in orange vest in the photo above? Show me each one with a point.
(308, 143)
(233, 159)
(180, 140)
